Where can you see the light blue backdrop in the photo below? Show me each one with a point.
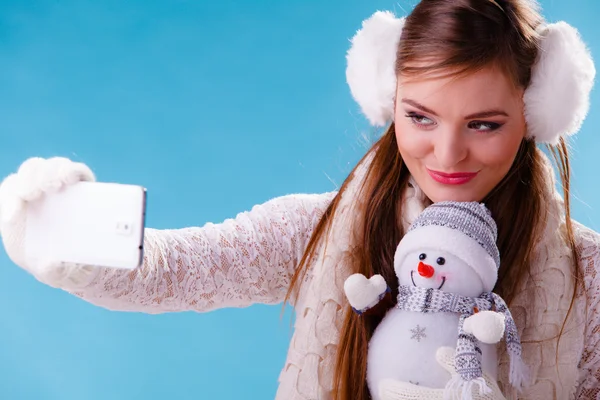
(214, 106)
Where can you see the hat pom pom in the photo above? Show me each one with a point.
(371, 69)
(557, 100)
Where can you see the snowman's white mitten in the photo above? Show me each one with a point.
(363, 293)
(487, 326)
(34, 178)
(391, 389)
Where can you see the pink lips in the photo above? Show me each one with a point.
(457, 178)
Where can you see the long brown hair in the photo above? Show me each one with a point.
(457, 37)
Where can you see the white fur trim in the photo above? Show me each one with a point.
(363, 293)
(451, 241)
(557, 100)
(487, 326)
(371, 70)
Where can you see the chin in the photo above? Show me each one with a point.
(437, 195)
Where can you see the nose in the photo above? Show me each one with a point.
(450, 147)
(426, 271)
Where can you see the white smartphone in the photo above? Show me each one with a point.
(91, 223)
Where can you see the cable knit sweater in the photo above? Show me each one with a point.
(251, 258)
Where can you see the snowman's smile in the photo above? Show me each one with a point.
(412, 272)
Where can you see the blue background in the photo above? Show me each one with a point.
(214, 106)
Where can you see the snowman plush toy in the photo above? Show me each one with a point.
(447, 266)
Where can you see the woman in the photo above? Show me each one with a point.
(471, 97)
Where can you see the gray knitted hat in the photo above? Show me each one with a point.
(464, 229)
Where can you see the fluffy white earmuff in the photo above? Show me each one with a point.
(556, 102)
(558, 97)
(371, 70)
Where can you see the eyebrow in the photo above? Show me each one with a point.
(480, 114)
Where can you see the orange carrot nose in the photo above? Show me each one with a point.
(425, 270)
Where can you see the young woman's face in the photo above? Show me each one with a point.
(459, 136)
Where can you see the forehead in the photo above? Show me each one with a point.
(473, 91)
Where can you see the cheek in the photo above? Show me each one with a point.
(504, 147)
(404, 277)
(499, 153)
(412, 145)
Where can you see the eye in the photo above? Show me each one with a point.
(422, 256)
(441, 261)
(419, 120)
(484, 126)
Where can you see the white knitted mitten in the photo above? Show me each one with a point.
(363, 293)
(390, 389)
(34, 178)
(487, 326)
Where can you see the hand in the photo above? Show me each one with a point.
(390, 389)
(363, 293)
(35, 178)
(487, 326)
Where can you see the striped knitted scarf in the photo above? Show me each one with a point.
(467, 359)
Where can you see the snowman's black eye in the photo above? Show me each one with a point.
(422, 256)
(441, 261)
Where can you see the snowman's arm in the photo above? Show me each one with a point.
(367, 296)
(385, 303)
(487, 326)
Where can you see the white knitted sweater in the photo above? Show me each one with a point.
(250, 259)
